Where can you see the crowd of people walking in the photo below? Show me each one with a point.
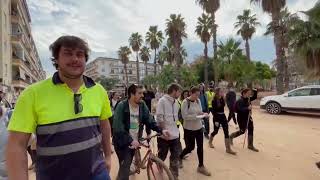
(70, 127)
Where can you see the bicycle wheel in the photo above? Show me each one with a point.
(157, 169)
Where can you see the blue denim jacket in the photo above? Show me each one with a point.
(204, 102)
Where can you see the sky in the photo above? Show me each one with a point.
(107, 24)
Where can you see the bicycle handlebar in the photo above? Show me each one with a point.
(149, 138)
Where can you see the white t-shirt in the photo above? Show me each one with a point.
(134, 122)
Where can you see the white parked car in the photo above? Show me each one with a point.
(306, 98)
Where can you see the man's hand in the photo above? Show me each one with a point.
(108, 163)
(206, 114)
(134, 145)
(250, 107)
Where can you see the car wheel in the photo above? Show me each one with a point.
(273, 108)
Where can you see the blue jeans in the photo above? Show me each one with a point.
(104, 175)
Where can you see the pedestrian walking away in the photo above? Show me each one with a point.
(69, 115)
(191, 110)
(210, 94)
(231, 98)
(220, 119)
(204, 106)
(243, 108)
(129, 118)
(167, 116)
(148, 96)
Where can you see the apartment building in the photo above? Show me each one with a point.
(20, 63)
(113, 68)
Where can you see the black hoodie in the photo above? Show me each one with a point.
(242, 109)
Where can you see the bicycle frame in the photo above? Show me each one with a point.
(139, 163)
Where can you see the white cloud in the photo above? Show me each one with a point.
(107, 24)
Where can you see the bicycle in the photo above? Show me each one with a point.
(156, 168)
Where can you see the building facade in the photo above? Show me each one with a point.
(113, 68)
(20, 63)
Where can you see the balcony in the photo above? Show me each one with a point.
(15, 18)
(19, 83)
(16, 38)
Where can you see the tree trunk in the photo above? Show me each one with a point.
(126, 74)
(206, 63)
(177, 61)
(215, 47)
(248, 58)
(248, 50)
(155, 61)
(138, 70)
(286, 75)
(146, 68)
(279, 53)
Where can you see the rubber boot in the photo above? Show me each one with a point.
(250, 144)
(234, 135)
(228, 148)
(210, 142)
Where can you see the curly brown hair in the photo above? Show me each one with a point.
(69, 42)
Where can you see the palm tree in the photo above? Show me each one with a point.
(274, 7)
(286, 19)
(145, 57)
(182, 55)
(176, 30)
(211, 7)
(135, 42)
(246, 25)
(229, 50)
(154, 38)
(305, 39)
(162, 56)
(123, 53)
(203, 30)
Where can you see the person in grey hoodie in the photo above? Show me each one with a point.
(167, 117)
(3, 142)
(191, 112)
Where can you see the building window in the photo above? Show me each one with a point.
(130, 71)
(103, 70)
(112, 71)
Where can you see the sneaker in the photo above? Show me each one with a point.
(203, 170)
(318, 164)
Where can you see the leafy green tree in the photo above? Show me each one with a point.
(107, 83)
(305, 40)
